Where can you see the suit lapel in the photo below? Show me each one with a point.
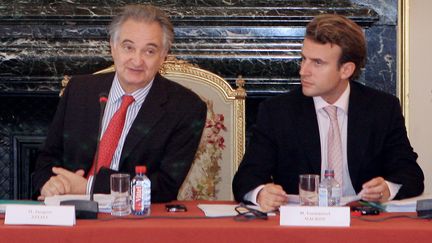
(102, 84)
(309, 134)
(151, 111)
(358, 131)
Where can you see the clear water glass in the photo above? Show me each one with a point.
(308, 189)
(120, 190)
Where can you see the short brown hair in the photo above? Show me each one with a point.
(341, 31)
(144, 13)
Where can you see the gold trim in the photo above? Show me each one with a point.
(64, 82)
(176, 67)
(109, 69)
(66, 78)
(403, 58)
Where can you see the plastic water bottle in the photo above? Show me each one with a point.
(141, 192)
(329, 192)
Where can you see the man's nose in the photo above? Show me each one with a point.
(304, 68)
(137, 58)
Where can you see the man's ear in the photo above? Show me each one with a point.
(347, 70)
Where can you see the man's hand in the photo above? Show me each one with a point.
(375, 190)
(64, 182)
(271, 197)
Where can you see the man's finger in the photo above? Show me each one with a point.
(49, 190)
(66, 183)
(56, 185)
(275, 190)
(269, 205)
(375, 197)
(80, 172)
(271, 197)
(377, 193)
(374, 182)
(45, 192)
(61, 171)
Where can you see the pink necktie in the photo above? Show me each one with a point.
(110, 138)
(334, 144)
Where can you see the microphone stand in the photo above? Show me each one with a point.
(88, 209)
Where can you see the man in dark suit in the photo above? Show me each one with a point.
(162, 126)
(291, 133)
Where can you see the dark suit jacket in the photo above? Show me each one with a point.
(285, 143)
(164, 135)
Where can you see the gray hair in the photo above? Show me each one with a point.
(143, 13)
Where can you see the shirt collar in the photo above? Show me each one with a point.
(117, 92)
(341, 103)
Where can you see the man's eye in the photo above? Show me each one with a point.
(318, 62)
(128, 48)
(150, 52)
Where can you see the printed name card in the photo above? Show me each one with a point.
(315, 216)
(40, 215)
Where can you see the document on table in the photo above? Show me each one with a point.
(404, 205)
(224, 210)
(295, 199)
(5, 203)
(220, 210)
(104, 200)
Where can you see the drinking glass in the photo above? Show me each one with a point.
(308, 190)
(120, 186)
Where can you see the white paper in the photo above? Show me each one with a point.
(40, 215)
(405, 205)
(294, 199)
(104, 200)
(222, 210)
(218, 210)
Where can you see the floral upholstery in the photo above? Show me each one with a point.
(222, 143)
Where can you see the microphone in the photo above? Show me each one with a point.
(103, 98)
(88, 209)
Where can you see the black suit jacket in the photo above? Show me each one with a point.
(285, 143)
(164, 135)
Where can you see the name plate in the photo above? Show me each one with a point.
(40, 215)
(315, 216)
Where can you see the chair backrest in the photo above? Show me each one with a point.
(223, 141)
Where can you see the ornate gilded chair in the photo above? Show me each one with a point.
(223, 141)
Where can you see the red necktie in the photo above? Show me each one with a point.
(110, 138)
(334, 144)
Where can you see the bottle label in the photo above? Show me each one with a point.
(137, 198)
(323, 197)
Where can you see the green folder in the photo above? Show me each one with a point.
(4, 203)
